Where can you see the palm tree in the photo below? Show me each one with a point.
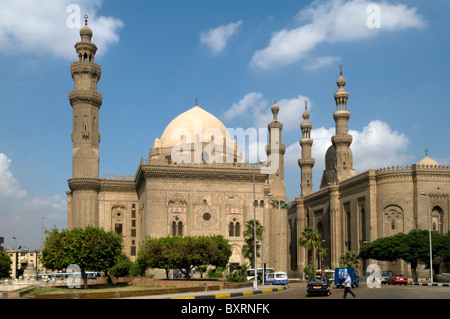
(322, 251)
(248, 250)
(349, 259)
(309, 239)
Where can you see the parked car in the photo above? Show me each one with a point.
(398, 279)
(341, 273)
(318, 285)
(385, 275)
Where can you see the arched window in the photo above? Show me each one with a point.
(231, 229)
(177, 228)
(237, 229)
(234, 228)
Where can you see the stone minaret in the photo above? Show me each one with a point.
(277, 214)
(342, 140)
(86, 102)
(275, 152)
(306, 162)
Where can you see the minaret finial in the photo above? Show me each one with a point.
(196, 104)
(306, 104)
(340, 67)
(86, 19)
(426, 152)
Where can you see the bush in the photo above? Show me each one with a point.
(215, 272)
(122, 267)
(239, 275)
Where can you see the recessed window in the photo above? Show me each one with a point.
(206, 216)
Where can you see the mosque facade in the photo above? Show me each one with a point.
(350, 209)
(195, 182)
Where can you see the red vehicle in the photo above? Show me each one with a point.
(398, 279)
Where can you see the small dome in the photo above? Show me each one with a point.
(427, 161)
(86, 31)
(341, 81)
(306, 115)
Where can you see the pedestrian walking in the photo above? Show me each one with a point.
(348, 286)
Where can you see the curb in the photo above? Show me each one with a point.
(234, 294)
(429, 284)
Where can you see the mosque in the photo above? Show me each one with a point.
(195, 182)
(351, 208)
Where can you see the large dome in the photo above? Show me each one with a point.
(190, 124)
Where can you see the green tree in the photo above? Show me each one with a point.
(5, 264)
(239, 274)
(122, 267)
(160, 253)
(90, 248)
(184, 253)
(309, 239)
(248, 249)
(322, 251)
(413, 248)
(349, 259)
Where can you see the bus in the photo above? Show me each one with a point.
(64, 275)
(259, 272)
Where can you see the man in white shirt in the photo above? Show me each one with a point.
(348, 286)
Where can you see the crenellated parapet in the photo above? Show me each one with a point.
(117, 185)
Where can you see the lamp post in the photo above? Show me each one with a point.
(429, 231)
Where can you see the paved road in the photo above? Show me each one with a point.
(298, 291)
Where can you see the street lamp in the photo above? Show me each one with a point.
(264, 235)
(429, 231)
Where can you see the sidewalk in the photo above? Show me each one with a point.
(217, 294)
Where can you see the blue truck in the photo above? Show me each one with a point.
(341, 273)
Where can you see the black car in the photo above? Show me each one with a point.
(319, 286)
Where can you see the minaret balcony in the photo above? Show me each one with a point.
(85, 97)
(81, 67)
(342, 140)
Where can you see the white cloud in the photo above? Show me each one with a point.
(9, 187)
(252, 102)
(45, 27)
(21, 213)
(320, 62)
(376, 146)
(330, 22)
(217, 39)
(258, 108)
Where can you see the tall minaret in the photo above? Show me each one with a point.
(86, 102)
(306, 162)
(342, 140)
(275, 152)
(277, 215)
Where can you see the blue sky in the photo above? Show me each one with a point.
(236, 58)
